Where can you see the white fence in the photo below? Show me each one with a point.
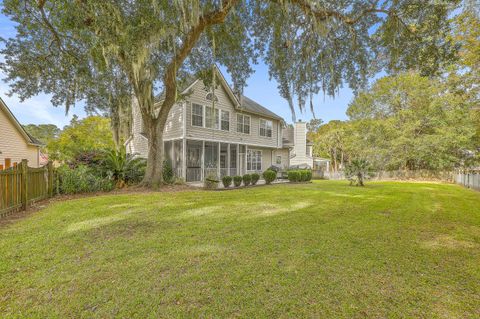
(468, 179)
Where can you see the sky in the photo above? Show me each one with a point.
(39, 109)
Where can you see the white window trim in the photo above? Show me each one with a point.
(260, 126)
(220, 120)
(204, 117)
(261, 159)
(249, 123)
(191, 115)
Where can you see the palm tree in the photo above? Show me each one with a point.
(357, 171)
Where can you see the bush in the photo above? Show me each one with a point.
(299, 175)
(167, 172)
(247, 178)
(255, 178)
(211, 182)
(294, 176)
(227, 181)
(122, 168)
(269, 176)
(237, 180)
(81, 179)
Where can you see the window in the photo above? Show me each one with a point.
(211, 97)
(197, 115)
(266, 128)
(254, 160)
(278, 160)
(225, 121)
(243, 123)
(210, 120)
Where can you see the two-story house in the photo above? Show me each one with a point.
(214, 133)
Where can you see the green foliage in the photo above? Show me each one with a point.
(227, 181)
(237, 181)
(357, 171)
(299, 175)
(123, 168)
(211, 182)
(81, 179)
(255, 178)
(269, 176)
(90, 134)
(45, 133)
(247, 179)
(97, 51)
(404, 122)
(168, 175)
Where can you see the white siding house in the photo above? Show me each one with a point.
(216, 133)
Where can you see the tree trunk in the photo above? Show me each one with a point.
(154, 171)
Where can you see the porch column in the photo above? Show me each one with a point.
(228, 159)
(184, 158)
(218, 159)
(238, 160)
(202, 173)
(246, 152)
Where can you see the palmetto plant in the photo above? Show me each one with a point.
(123, 168)
(357, 171)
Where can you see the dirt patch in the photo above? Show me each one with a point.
(448, 242)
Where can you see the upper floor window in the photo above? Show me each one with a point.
(197, 115)
(211, 119)
(243, 123)
(225, 121)
(266, 128)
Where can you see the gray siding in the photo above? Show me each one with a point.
(232, 136)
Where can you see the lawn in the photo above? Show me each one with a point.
(321, 250)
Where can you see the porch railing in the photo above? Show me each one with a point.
(194, 174)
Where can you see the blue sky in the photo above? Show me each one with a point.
(39, 110)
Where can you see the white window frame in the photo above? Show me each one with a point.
(203, 115)
(249, 156)
(265, 123)
(216, 120)
(277, 158)
(221, 120)
(243, 123)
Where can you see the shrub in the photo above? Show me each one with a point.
(255, 178)
(308, 174)
(123, 168)
(294, 176)
(81, 179)
(247, 178)
(211, 182)
(299, 175)
(237, 180)
(269, 176)
(227, 181)
(167, 172)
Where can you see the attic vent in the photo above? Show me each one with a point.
(211, 97)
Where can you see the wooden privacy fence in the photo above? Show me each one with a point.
(21, 185)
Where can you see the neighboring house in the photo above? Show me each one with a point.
(215, 133)
(15, 143)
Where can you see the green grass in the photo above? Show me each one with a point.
(321, 250)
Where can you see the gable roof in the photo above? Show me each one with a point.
(253, 107)
(28, 138)
(246, 104)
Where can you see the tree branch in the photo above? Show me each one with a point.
(209, 19)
